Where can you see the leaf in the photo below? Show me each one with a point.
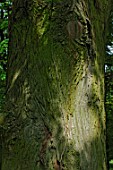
(4, 25)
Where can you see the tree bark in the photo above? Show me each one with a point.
(55, 86)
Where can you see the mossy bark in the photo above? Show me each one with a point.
(55, 86)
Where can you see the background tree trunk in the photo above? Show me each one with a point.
(55, 86)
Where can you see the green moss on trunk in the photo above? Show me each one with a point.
(56, 117)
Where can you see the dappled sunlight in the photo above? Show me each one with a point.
(83, 120)
(16, 75)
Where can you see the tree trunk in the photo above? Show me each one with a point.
(55, 86)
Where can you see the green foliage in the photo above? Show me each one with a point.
(4, 33)
(2, 73)
(4, 10)
(4, 46)
(109, 107)
(109, 91)
(4, 24)
(111, 164)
